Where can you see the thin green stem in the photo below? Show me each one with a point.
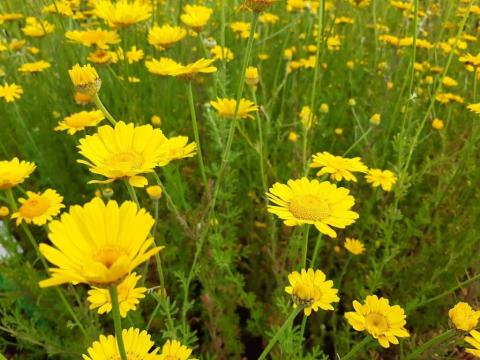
(260, 145)
(117, 322)
(443, 337)
(103, 109)
(357, 348)
(306, 232)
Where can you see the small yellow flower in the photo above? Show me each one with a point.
(384, 178)
(292, 136)
(85, 79)
(10, 92)
(307, 117)
(34, 67)
(196, 16)
(4, 211)
(339, 167)
(324, 108)
(338, 131)
(14, 172)
(438, 124)
(80, 121)
(449, 82)
(464, 317)
(376, 119)
(134, 55)
(310, 289)
(169, 67)
(37, 28)
(220, 53)
(123, 13)
(154, 192)
(352, 102)
(226, 108)
(354, 246)
(475, 108)
(39, 208)
(251, 76)
(98, 37)
(174, 350)
(474, 340)
(165, 36)
(156, 120)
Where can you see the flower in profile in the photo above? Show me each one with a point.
(222, 53)
(338, 167)
(384, 178)
(154, 192)
(169, 67)
(34, 67)
(310, 289)
(354, 246)
(174, 350)
(85, 79)
(10, 92)
(475, 108)
(14, 172)
(79, 121)
(98, 244)
(98, 37)
(38, 208)
(251, 76)
(128, 296)
(165, 36)
(464, 317)
(196, 16)
(138, 345)
(322, 204)
(474, 340)
(122, 13)
(226, 108)
(37, 28)
(382, 321)
(127, 152)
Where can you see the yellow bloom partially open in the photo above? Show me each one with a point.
(38, 208)
(464, 317)
(79, 121)
(226, 108)
(14, 172)
(85, 79)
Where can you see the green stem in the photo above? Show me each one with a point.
(117, 322)
(357, 348)
(318, 245)
(305, 246)
(432, 343)
(260, 145)
(104, 110)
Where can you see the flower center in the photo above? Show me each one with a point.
(34, 207)
(377, 322)
(108, 255)
(303, 294)
(126, 160)
(309, 207)
(78, 121)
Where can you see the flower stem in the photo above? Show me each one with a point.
(279, 332)
(306, 232)
(357, 348)
(104, 110)
(117, 322)
(443, 337)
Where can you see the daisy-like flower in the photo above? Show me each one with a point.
(464, 317)
(33, 67)
(220, 53)
(311, 289)
(127, 152)
(37, 28)
(354, 246)
(14, 172)
(39, 208)
(169, 67)
(196, 16)
(134, 55)
(99, 37)
(384, 178)
(174, 350)
(382, 321)
(128, 296)
(475, 108)
(85, 79)
(226, 108)
(307, 117)
(138, 345)
(252, 76)
(322, 204)
(10, 92)
(339, 167)
(123, 13)
(474, 340)
(165, 36)
(98, 244)
(79, 121)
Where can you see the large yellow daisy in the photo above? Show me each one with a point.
(39, 208)
(14, 172)
(98, 244)
(123, 12)
(312, 202)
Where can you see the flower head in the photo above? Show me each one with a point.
(85, 79)
(475, 108)
(339, 167)
(80, 121)
(464, 317)
(169, 67)
(384, 322)
(384, 178)
(138, 345)
(39, 208)
(37, 28)
(128, 296)
(14, 172)
(251, 76)
(98, 244)
(123, 13)
(311, 289)
(34, 67)
(165, 36)
(99, 37)
(226, 108)
(312, 202)
(354, 246)
(196, 16)
(154, 192)
(174, 350)
(10, 92)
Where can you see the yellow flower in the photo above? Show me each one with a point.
(251, 76)
(165, 36)
(169, 67)
(128, 296)
(220, 53)
(241, 28)
(474, 340)
(449, 82)
(384, 178)
(268, 18)
(98, 244)
(134, 55)
(226, 108)
(137, 345)
(376, 119)
(292, 136)
(122, 13)
(196, 16)
(339, 167)
(156, 120)
(37, 28)
(10, 92)
(85, 79)
(37, 66)
(475, 108)
(438, 124)
(360, 3)
(324, 109)
(126, 152)
(14, 172)
(174, 350)
(99, 37)
(39, 208)
(311, 289)
(307, 117)
(464, 317)
(354, 246)
(80, 121)
(312, 202)
(154, 192)
(382, 321)
(4, 211)
(82, 99)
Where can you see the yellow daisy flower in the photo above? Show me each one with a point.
(174, 350)
(14, 172)
(311, 289)
(134, 55)
(37, 28)
(322, 204)
(339, 167)
(98, 37)
(128, 296)
(98, 244)
(169, 67)
(10, 92)
(165, 36)
(33, 67)
(354, 246)
(474, 340)
(220, 53)
(122, 13)
(85, 79)
(80, 121)
(226, 108)
(382, 321)
(196, 16)
(138, 345)
(384, 178)
(475, 108)
(464, 317)
(39, 208)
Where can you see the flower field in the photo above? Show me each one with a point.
(239, 179)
